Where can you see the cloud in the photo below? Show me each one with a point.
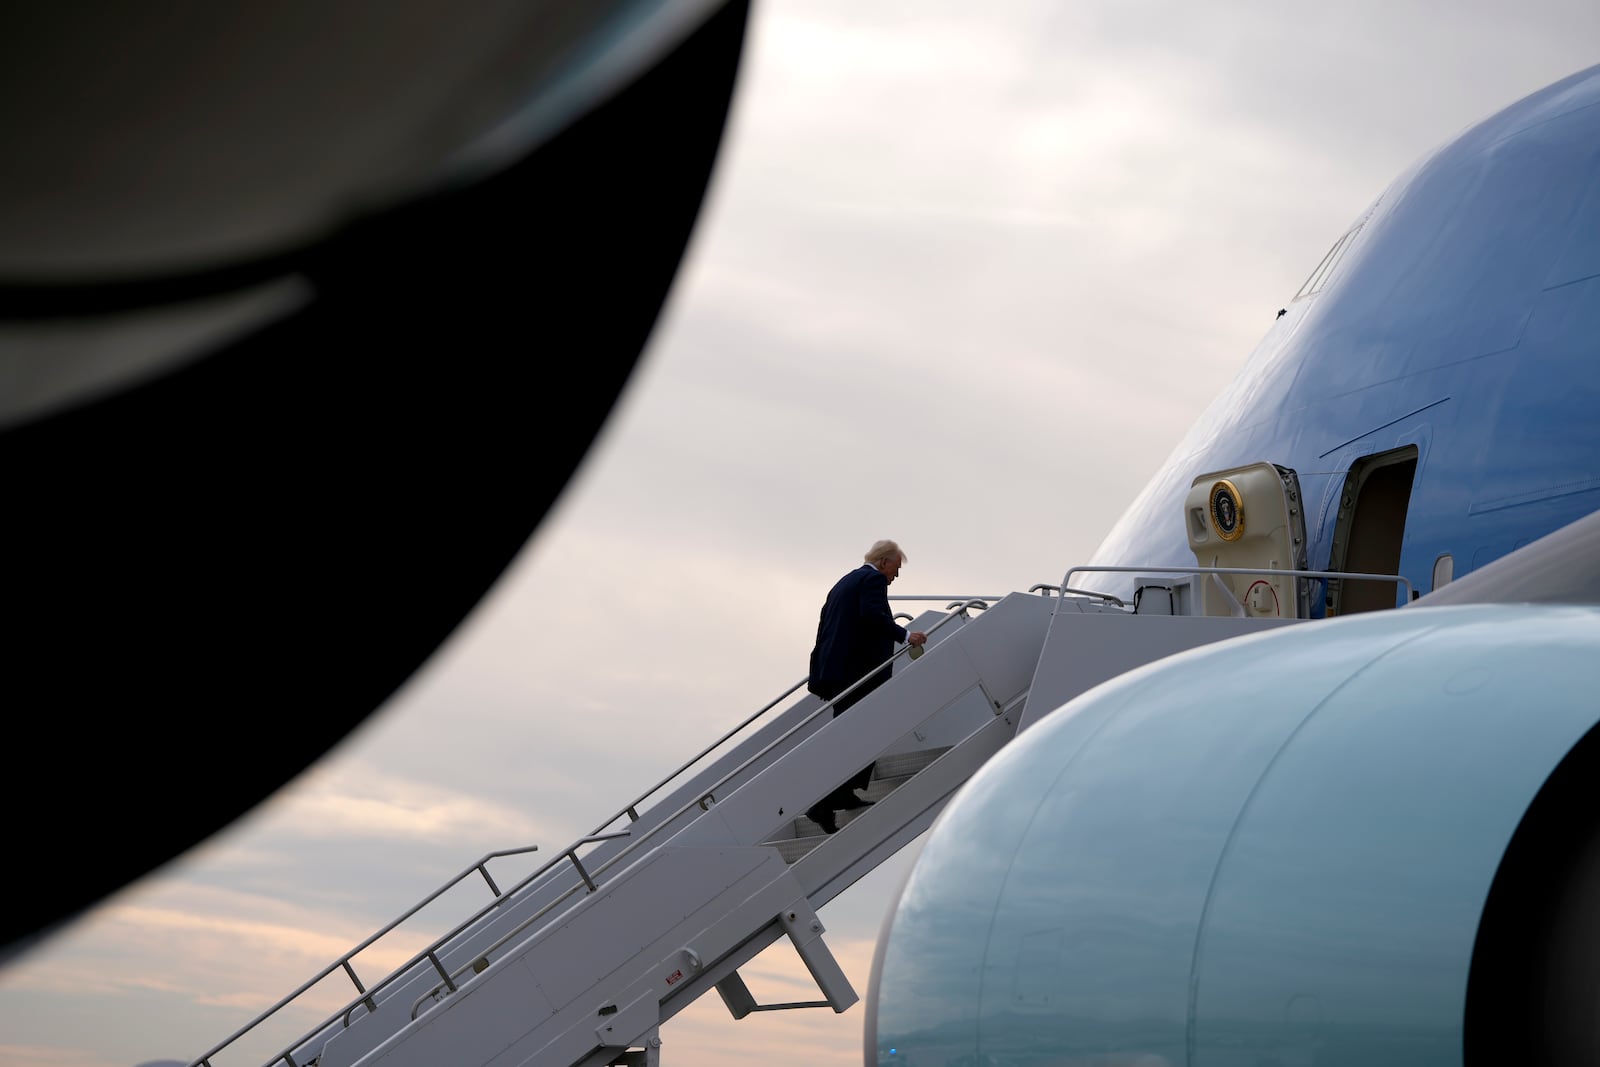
(54, 1056)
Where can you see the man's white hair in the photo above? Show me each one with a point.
(884, 550)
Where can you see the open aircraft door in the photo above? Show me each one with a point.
(1370, 528)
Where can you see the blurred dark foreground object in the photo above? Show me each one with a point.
(306, 317)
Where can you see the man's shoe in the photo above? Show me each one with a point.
(823, 818)
(856, 802)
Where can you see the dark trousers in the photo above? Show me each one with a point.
(845, 794)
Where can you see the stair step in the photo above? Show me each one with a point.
(808, 835)
(889, 774)
(879, 788)
(798, 848)
(905, 764)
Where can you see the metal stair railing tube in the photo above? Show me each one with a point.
(570, 853)
(775, 742)
(429, 953)
(343, 962)
(366, 996)
(637, 843)
(964, 598)
(1401, 579)
(1046, 590)
(631, 808)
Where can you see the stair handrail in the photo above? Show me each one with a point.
(966, 598)
(638, 843)
(480, 865)
(1400, 578)
(1045, 589)
(365, 995)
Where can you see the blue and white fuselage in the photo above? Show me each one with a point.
(1459, 315)
(1370, 839)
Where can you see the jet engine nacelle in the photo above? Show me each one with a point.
(1364, 840)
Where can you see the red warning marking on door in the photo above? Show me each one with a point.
(674, 976)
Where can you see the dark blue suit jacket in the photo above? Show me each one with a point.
(855, 632)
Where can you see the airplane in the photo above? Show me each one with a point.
(1370, 836)
(1362, 314)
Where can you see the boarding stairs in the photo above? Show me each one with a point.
(580, 963)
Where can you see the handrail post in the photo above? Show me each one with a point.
(372, 1005)
(449, 982)
(576, 862)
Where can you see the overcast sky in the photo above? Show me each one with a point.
(966, 273)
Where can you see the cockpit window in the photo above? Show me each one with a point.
(1319, 277)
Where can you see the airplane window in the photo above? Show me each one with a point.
(1319, 277)
(1444, 569)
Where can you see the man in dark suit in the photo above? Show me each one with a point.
(856, 632)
